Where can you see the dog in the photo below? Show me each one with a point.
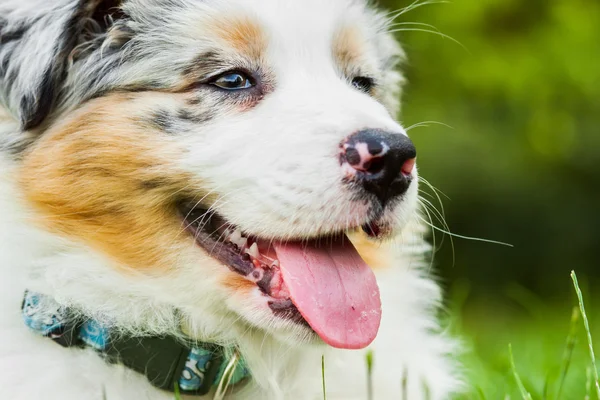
(210, 199)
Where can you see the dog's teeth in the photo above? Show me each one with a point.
(235, 236)
(275, 264)
(253, 251)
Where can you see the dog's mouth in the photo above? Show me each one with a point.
(321, 282)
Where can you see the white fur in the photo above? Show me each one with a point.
(409, 341)
(295, 178)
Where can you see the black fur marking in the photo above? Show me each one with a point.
(167, 121)
(11, 36)
(204, 64)
(185, 114)
(163, 120)
(4, 61)
(35, 110)
(12, 76)
(105, 23)
(104, 9)
(35, 107)
(194, 101)
(17, 148)
(195, 117)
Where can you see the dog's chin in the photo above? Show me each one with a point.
(273, 298)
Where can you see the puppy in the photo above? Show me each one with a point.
(196, 197)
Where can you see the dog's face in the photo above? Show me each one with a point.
(222, 148)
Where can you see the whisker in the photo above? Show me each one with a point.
(416, 4)
(467, 237)
(428, 206)
(433, 237)
(435, 190)
(430, 31)
(439, 216)
(426, 125)
(440, 213)
(395, 24)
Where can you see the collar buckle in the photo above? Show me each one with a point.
(163, 360)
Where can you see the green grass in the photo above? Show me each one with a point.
(539, 353)
(588, 332)
(323, 377)
(369, 361)
(526, 395)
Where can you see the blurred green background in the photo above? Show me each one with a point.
(521, 164)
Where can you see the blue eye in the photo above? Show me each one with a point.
(233, 81)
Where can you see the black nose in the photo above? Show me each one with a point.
(382, 162)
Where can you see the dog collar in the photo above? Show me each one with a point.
(167, 362)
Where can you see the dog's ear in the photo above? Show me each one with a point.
(39, 40)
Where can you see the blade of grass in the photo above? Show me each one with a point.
(569, 346)
(176, 390)
(323, 376)
(369, 359)
(586, 324)
(426, 391)
(588, 383)
(405, 384)
(481, 393)
(524, 392)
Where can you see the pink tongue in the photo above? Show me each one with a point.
(334, 290)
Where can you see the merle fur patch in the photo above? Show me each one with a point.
(163, 120)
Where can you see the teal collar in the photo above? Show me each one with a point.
(168, 363)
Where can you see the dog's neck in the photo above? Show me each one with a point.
(80, 278)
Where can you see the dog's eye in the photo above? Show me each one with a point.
(233, 81)
(363, 83)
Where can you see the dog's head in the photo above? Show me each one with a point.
(222, 148)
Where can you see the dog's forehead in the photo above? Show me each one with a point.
(295, 27)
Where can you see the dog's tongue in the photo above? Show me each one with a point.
(334, 290)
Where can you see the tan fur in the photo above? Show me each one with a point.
(348, 46)
(238, 284)
(102, 178)
(378, 255)
(241, 34)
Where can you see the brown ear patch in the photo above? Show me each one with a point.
(103, 179)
